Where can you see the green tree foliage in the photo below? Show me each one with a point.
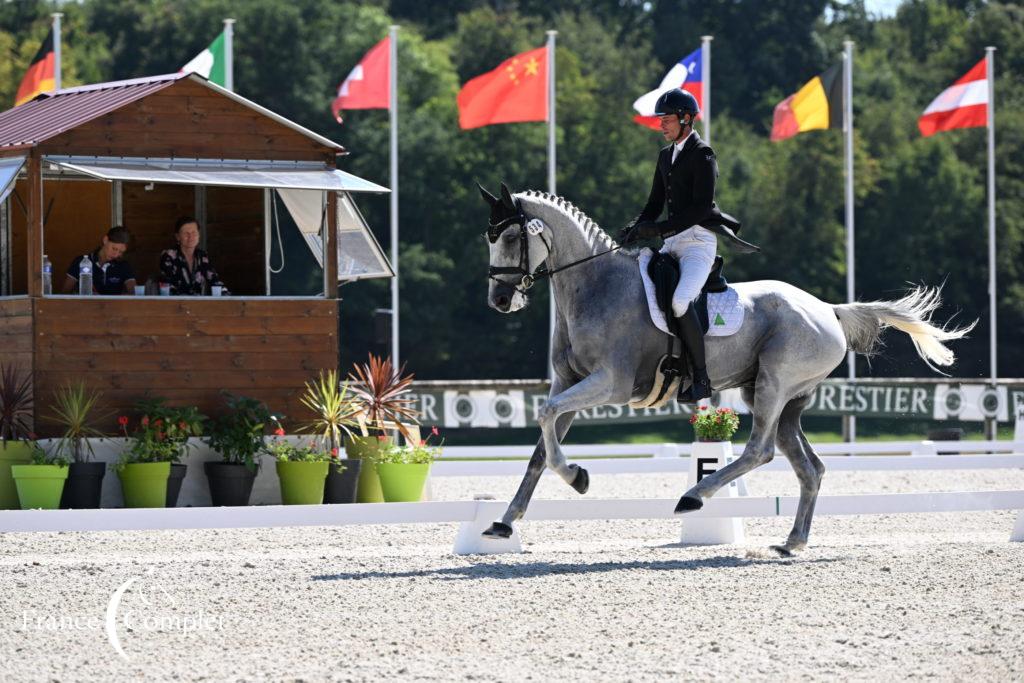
(920, 203)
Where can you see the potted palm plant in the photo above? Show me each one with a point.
(335, 413)
(15, 429)
(41, 483)
(238, 436)
(149, 469)
(381, 392)
(403, 470)
(301, 470)
(73, 405)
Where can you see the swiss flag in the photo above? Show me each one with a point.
(367, 85)
(516, 91)
(962, 105)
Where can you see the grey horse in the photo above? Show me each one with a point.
(605, 348)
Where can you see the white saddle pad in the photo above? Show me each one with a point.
(725, 315)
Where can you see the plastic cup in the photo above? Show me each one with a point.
(140, 290)
(216, 290)
(165, 290)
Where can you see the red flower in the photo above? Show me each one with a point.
(158, 423)
(433, 430)
(381, 437)
(334, 452)
(279, 431)
(183, 426)
(702, 407)
(693, 419)
(123, 420)
(145, 420)
(160, 436)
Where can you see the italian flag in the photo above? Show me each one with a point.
(210, 63)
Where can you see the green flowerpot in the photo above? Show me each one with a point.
(11, 453)
(302, 483)
(144, 484)
(402, 483)
(364, 448)
(39, 486)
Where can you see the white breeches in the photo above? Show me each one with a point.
(695, 249)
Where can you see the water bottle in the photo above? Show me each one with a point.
(85, 276)
(47, 276)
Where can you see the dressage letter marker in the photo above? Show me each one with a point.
(706, 459)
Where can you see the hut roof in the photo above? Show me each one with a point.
(51, 114)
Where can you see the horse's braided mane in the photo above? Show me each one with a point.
(590, 229)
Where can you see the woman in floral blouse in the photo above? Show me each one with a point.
(188, 269)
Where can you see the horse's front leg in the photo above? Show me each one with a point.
(595, 390)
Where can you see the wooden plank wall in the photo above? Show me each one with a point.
(187, 120)
(79, 217)
(19, 239)
(16, 332)
(185, 350)
(234, 238)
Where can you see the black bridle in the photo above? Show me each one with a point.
(494, 231)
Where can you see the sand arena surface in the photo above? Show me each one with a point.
(878, 597)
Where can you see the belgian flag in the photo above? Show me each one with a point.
(40, 76)
(817, 105)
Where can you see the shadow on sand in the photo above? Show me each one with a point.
(491, 569)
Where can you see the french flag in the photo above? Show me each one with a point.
(962, 105)
(685, 74)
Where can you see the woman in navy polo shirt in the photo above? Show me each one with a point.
(110, 274)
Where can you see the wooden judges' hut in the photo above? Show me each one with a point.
(141, 153)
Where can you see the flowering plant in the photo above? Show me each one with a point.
(238, 435)
(417, 453)
(283, 451)
(59, 457)
(714, 425)
(162, 433)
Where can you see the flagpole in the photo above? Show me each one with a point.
(990, 65)
(393, 109)
(705, 80)
(229, 54)
(57, 79)
(851, 364)
(552, 186)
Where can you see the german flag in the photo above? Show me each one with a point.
(40, 76)
(817, 105)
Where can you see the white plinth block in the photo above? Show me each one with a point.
(470, 539)
(705, 459)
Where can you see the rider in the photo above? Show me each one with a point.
(684, 180)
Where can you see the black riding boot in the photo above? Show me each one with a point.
(689, 330)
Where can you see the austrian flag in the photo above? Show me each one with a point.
(962, 105)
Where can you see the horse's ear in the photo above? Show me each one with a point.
(506, 198)
(488, 197)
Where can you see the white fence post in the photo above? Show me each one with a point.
(470, 541)
(707, 458)
(1017, 535)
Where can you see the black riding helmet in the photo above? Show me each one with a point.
(676, 101)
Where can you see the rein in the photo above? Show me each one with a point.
(494, 230)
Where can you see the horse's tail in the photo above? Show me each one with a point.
(863, 324)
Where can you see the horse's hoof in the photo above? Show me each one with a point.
(582, 481)
(688, 504)
(782, 550)
(498, 530)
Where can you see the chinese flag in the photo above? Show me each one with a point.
(40, 76)
(366, 86)
(516, 91)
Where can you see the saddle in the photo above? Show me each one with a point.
(663, 271)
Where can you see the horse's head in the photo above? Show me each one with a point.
(517, 248)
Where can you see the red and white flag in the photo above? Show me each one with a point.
(686, 74)
(367, 85)
(962, 105)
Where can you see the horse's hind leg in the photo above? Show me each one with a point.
(809, 470)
